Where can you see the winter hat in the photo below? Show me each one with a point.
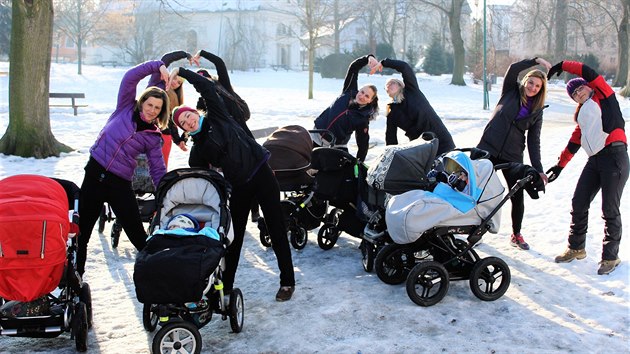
(179, 110)
(203, 72)
(183, 221)
(574, 84)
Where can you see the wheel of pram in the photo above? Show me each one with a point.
(80, 326)
(236, 310)
(299, 237)
(490, 278)
(327, 236)
(265, 239)
(116, 229)
(427, 283)
(149, 317)
(177, 337)
(85, 296)
(102, 219)
(367, 255)
(393, 262)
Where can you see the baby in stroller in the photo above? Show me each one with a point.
(178, 275)
(44, 294)
(463, 198)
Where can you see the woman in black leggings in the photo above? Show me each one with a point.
(220, 142)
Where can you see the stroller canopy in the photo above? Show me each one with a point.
(290, 148)
(401, 168)
(34, 227)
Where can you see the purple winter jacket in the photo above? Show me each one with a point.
(118, 143)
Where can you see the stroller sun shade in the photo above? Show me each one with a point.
(403, 167)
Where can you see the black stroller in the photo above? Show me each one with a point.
(179, 278)
(435, 242)
(291, 148)
(337, 182)
(142, 185)
(35, 213)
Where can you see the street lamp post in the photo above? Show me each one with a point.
(486, 99)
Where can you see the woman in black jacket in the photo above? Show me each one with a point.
(410, 110)
(519, 112)
(351, 112)
(219, 141)
(236, 107)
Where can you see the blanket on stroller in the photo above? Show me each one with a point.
(174, 267)
(410, 214)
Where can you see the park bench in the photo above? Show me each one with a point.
(111, 63)
(71, 96)
(276, 67)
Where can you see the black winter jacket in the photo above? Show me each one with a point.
(221, 142)
(240, 112)
(414, 114)
(342, 117)
(504, 137)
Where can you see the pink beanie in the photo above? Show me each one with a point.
(179, 110)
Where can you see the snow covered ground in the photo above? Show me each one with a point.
(337, 306)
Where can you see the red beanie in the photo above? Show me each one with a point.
(179, 110)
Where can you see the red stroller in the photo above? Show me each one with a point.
(37, 255)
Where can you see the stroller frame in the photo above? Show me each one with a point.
(180, 322)
(71, 310)
(438, 256)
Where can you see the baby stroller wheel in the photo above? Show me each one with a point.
(299, 237)
(80, 327)
(265, 239)
(177, 337)
(327, 236)
(427, 283)
(102, 219)
(368, 251)
(236, 310)
(149, 317)
(393, 262)
(116, 229)
(85, 296)
(490, 278)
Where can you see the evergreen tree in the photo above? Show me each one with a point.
(435, 60)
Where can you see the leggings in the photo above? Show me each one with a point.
(262, 187)
(100, 186)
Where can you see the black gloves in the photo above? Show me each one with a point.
(553, 173)
(555, 70)
(168, 58)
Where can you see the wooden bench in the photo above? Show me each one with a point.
(112, 63)
(276, 67)
(72, 96)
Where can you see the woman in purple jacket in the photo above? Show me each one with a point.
(133, 129)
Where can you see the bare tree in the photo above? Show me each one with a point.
(244, 41)
(613, 15)
(453, 10)
(314, 16)
(29, 133)
(77, 19)
(142, 33)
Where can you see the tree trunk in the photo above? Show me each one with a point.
(311, 64)
(560, 51)
(459, 52)
(622, 53)
(29, 133)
